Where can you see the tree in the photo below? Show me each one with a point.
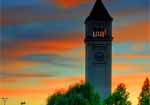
(144, 98)
(57, 99)
(119, 96)
(80, 94)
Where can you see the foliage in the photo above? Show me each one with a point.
(144, 98)
(81, 94)
(84, 94)
(57, 99)
(118, 97)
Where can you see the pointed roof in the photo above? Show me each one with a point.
(99, 12)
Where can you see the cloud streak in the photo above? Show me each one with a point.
(44, 46)
(70, 3)
(131, 56)
(53, 85)
(23, 75)
(13, 78)
(136, 32)
(15, 15)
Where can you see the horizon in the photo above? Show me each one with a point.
(43, 47)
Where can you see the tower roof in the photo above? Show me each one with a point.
(99, 12)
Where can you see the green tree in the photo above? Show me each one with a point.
(80, 94)
(119, 96)
(57, 99)
(144, 98)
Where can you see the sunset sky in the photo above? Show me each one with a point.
(42, 46)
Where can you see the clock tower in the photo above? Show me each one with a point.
(98, 41)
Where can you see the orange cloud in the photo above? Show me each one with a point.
(66, 80)
(131, 56)
(44, 46)
(130, 66)
(7, 81)
(73, 3)
(52, 85)
(22, 91)
(13, 65)
(70, 3)
(136, 32)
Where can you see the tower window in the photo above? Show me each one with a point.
(99, 32)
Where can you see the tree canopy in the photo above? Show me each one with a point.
(119, 96)
(144, 98)
(84, 94)
(80, 94)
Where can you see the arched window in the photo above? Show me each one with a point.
(99, 31)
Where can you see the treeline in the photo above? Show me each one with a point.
(84, 94)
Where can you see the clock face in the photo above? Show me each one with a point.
(99, 57)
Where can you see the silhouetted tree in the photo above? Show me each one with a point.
(81, 94)
(118, 97)
(144, 98)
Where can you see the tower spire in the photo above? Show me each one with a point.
(99, 12)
